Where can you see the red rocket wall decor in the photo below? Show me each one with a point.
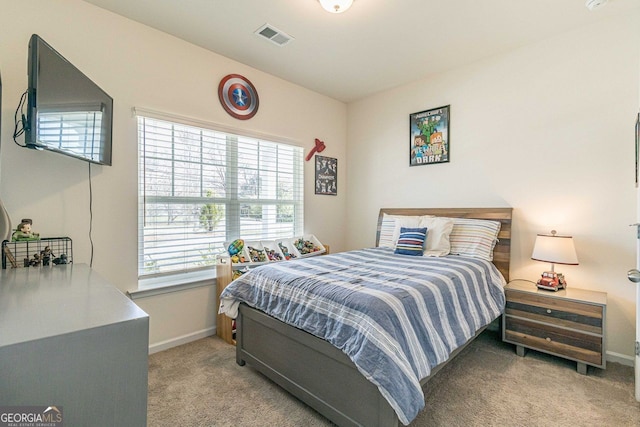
(318, 148)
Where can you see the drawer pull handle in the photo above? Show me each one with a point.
(548, 339)
(548, 311)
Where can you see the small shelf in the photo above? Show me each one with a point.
(225, 327)
(276, 250)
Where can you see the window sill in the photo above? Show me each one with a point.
(179, 282)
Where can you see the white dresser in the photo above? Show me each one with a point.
(69, 338)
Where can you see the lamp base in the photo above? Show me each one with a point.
(552, 281)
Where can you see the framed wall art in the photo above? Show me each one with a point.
(429, 136)
(326, 175)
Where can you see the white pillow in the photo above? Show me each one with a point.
(438, 232)
(390, 228)
(386, 231)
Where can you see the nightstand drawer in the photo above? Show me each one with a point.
(560, 312)
(548, 337)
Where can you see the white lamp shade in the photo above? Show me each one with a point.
(555, 249)
(336, 6)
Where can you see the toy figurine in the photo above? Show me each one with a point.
(62, 259)
(305, 246)
(257, 255)
(285, 252)
(238, 273)
(35, 262)
(235, 247)
(46, 255)
(273, 255)
(238, 258)
(23, 231)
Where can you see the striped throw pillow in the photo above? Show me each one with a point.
(474, 238)
(411, 241)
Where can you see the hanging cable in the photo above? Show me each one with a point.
(90, 216)
(20, 124)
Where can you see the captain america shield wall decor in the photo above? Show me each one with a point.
(238, 96)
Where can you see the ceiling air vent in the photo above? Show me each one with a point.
(273, 34)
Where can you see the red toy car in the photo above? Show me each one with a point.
(552, 281)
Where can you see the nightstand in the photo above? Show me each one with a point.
(569, 323)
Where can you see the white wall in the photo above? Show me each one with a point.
(141, 67)
(547, 129)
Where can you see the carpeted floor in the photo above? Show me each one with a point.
(199, 384)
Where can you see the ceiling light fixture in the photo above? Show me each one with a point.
(594, 4)
(336, 6)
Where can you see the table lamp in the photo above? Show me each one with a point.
(556, 250)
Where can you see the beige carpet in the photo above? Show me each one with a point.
(199, 384)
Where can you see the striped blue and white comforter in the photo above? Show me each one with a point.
(395, 316)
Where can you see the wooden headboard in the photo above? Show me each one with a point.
(502, 251)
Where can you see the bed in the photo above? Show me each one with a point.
(323, 376)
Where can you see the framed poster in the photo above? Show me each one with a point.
(326, 175)
(429, 136)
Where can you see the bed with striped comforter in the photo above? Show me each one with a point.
(395, 316)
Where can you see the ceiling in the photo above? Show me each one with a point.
(374, 46)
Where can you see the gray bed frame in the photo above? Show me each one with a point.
(319, 374)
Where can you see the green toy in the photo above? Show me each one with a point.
(23, 232)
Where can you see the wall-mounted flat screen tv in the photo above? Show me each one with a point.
(66, 112)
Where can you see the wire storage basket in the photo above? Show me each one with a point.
(44, 252)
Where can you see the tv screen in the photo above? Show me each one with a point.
(66, 112)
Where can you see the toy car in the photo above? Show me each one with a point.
(552, 281)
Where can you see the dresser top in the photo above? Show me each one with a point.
(43, 302)
(570, 293)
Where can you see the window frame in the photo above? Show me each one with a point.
(149, 282)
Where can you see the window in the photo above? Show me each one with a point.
(201, 188)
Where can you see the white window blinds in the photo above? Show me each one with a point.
(202, 188)
(75, 132)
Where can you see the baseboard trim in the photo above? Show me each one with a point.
(623, 359)
(184, 339)
(612, 356)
